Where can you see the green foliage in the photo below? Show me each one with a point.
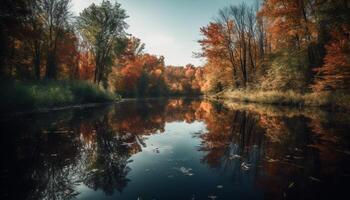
(103, 27)
(47, 94)
(158, 90)
(287, 71)
(87, 92)
(142, 84)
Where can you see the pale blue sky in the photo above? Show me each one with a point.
(168, 27)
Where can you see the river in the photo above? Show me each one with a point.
(176, 149)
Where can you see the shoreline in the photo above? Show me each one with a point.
(82, 106)
(56, 108)
(325, 100)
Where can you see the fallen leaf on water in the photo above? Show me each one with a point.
(219, 186)
(291, 185)
(94, 170)
(345, 152)
(245, 166)
(186, 171)
(314, 179)
(235, 156)
(297, 157)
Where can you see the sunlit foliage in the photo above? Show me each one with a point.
(278, 45)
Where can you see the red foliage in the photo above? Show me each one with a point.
(335, 73)
(213, 43)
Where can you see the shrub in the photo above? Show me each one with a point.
(18, 95)
(287, 72)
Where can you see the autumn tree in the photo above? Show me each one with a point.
(13, 15)
(36, 35)
(184, 80)
(55, 16)
(236, 40)
(335, 73)
(292, 33)
(334, 25)
(304, 43)
(86, 65)
(219, 66)
(143, 76)
(68, 56)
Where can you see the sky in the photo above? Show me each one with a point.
(168, 27)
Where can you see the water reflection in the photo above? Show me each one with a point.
(241, 151)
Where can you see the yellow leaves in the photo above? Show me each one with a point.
(158, 72)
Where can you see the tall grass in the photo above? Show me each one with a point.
(339, 99)
(18, 95)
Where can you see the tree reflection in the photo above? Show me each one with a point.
(282, 147)
(50, 154)
(107, 164)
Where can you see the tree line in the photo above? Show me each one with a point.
(301, 45)
(43, 40)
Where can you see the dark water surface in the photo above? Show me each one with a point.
(176, 149)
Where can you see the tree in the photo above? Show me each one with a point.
(214, 49)
(103, 26)
(335, 73)
(334, 33)
(291, 23)
(36, 35)
(56, 15)
(13, 15)
(68, 56)
(233, 40)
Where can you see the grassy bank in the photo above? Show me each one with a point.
(19, 95)
(338, 99)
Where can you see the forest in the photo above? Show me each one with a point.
(217, 99)
(280, 52)
(293, 52)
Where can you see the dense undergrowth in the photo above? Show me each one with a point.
(21, 95)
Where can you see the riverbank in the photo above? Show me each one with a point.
(46, 95)
(334, 100)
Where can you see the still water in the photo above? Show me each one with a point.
(176, 149)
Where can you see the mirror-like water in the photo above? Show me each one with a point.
(176, 149)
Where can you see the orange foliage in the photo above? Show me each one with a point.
(289, 22)
(86, 65)
(132, 68)
(213, 43)
(186, 79)
(335, 73)
(68, 56)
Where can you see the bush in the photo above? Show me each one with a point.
(19, 95)
(287, 71)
